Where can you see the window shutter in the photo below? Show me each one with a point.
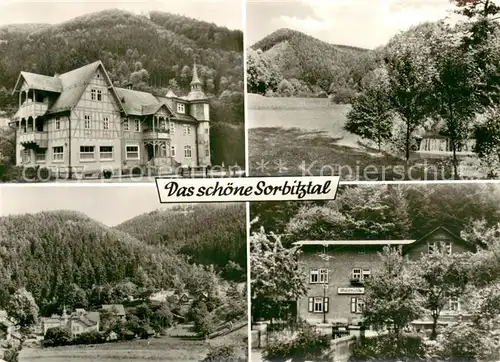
(311, 304)
(325, 304)
(353, 305)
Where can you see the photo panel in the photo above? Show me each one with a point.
(120, 91)
(103, 273)
(409, 265)
(373, 90)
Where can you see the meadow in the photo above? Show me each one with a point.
(162, 349)
(306, 136)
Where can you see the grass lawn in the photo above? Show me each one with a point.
(167, 348)
(306, 136)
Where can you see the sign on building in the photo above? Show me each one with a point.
(351, 290)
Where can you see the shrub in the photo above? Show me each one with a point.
(221, 353)
(107, 173)
(309, 344)
(390, 347)
(91, 337)
(56, 336)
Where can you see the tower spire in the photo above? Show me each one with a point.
(195, 83)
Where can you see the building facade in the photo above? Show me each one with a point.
(79, 122)
(336, 272)
(75, 323)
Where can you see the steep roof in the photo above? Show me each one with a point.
(39, 81)
(117, 308)
(455, 237)
(74, 84)
(133, 100)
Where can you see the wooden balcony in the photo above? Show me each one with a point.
(157, 134)
(34, 139)
(31, 109)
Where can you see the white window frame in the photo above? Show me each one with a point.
(93, 94)
(187, 129)
(26, 156)
(126, 125)
(314, 276)
(323, 276)
(103, 154)
(172, 127)
(99, 95)
(137, 125)
(58, 156)
(87, 122)
(127, 152)
(172, 151)
(188, 151)
(318, 304)
(365, 273)
(88, 153)
(357, 305)
(181, 108)
(39, 159)
(431, 247)
(58, 123)
(356, 274)
(448, 247)
(105, 123)
(454, 305)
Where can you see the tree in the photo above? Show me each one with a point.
(56, 336)
(455, 88)
(440, 278)
(276, 275)
(22, 308)
(391, 300)
(487, 136)
(371, 116)
(407, 65)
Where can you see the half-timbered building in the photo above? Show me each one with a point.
(79, 122)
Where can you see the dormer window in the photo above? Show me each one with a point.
(181, 108)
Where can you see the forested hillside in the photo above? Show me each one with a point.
(208, 234)
(154, 52)
(288, 62)
(62, 255)
(64, 258)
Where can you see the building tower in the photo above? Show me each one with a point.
(200, 109)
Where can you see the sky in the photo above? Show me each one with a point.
(226, 13)
(109, 205)
(363, 23)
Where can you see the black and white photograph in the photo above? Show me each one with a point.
(120, 90)
(98, 273)
(383, 273)
(374, 90)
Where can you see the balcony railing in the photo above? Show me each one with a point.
(31, 109)
(40, 138)
(157, 134)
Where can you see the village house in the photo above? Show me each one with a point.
(79, 123)
(117, 309)
(337, 270)
(76, 323)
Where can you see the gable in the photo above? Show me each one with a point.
(439, 235)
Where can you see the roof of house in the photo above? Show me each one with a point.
(133, 100)
(39, 81)
(453, 235)
(353, 242)
(71, 85)
(74, 84)
(119, 309)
